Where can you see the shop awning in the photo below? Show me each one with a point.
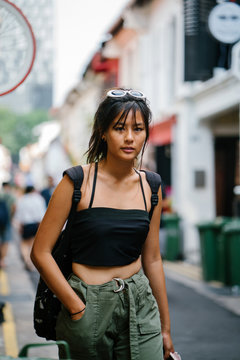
(161, 133)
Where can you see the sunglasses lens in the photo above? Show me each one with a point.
(136, 93)
(122, 93)
(118, 92)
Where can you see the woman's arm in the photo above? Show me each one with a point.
(153, 269)
(46, 237)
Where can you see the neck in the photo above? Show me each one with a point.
(117, 169)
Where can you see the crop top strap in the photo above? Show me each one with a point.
(94, 185)
(141, 184)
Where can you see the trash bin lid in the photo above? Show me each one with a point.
(221, 221)
(217, 223)
(232, 227)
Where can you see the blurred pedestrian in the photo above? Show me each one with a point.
(48, 191)
(29, 213)
(111, 309)
(7, 210)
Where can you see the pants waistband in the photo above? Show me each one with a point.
(112, 285)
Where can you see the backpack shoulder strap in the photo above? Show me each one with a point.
(154, 180)
(76, 174)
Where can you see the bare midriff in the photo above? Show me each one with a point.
(97, 275)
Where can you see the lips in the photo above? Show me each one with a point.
(128, 149)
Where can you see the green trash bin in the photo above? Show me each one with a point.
(222, 258)
(173, 238)
(212, 245)
(232, 238)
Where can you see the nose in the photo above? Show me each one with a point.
(129, 135)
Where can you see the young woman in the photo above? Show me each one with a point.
(111, 309)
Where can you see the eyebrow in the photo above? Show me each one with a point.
(123, 123)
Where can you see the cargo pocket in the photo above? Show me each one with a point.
(149, 327)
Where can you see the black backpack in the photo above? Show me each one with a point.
(4, 215)
(47, 305)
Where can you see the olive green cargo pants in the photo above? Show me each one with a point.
(121, 321)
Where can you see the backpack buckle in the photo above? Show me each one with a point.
(77, 194)
(154, 199)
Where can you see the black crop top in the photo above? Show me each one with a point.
(102, 236)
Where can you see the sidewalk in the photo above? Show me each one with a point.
(191, 276)
(17, 291)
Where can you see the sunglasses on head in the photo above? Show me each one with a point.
(121, 93)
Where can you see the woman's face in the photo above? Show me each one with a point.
(125, 139)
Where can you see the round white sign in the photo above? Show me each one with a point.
(224, 22)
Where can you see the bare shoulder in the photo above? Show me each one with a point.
(64, 189)
(143, 175)
(86, 169)
(144, 180)
(66, 181)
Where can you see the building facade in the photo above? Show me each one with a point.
(36, 92)
(192, 80)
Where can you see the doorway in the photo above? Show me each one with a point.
(163, 161)
(226, 165)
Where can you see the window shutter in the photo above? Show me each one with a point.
(201, 49)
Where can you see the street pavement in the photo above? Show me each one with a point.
(205, 318)
(18, 291)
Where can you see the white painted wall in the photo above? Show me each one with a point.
(192, 150)
(153, 61)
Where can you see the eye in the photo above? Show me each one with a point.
(119, 128)
(138, 129)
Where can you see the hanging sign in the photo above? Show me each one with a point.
(224, 22)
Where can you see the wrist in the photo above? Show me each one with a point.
(76, 306)
(166, 331)
(77, 312)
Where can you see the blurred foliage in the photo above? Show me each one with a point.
(16, 129)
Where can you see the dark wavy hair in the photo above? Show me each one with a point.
(107, 111)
